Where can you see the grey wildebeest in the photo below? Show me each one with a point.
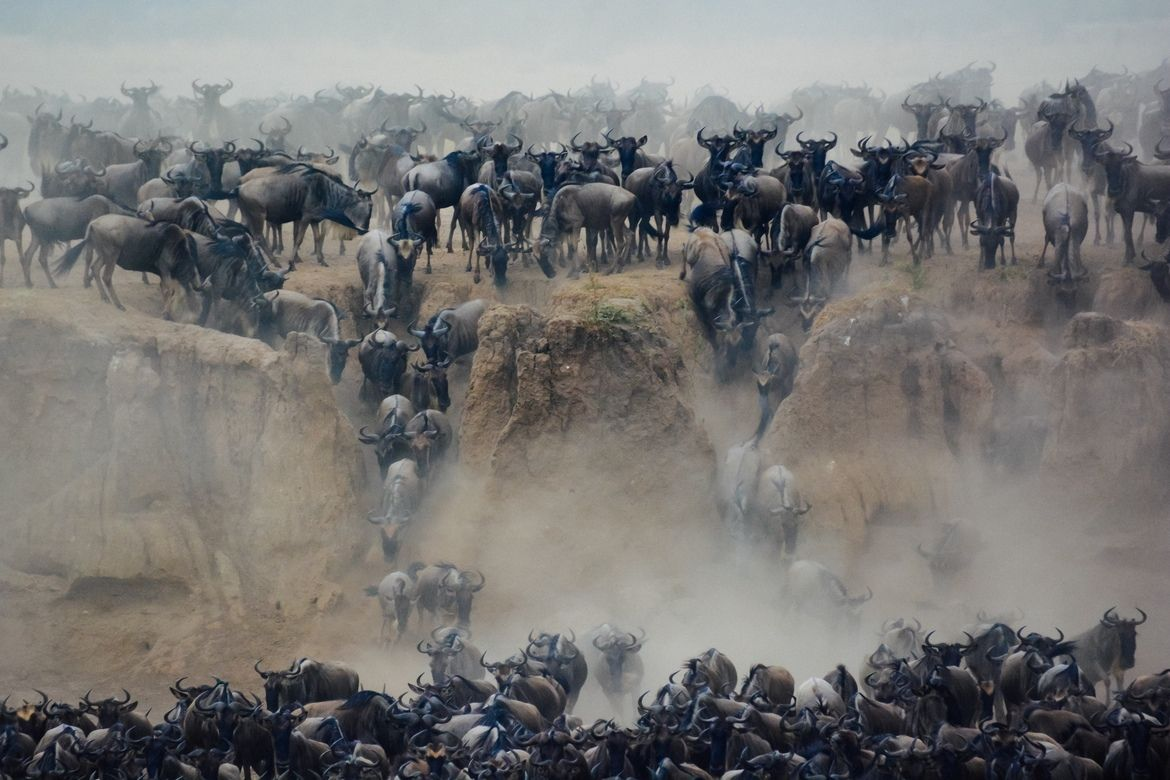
(560, 659)
(1094, 175)
(382, 356)
(401, 496)
(1066, 222)
(443, 590)
(396, 598)
(452, 333)
(12, 224)
(712, 290)
(1107, 649)
(386, 266)
(827, 257)
(598, 208)
(480, 211)
(452, 655)
(123, 180)
(813, 591)
(620, 670)
(56, 220)
(779, 506)
(415, 214)
(444, 180)
(996, 203)
(282, 312)
(308, 681)
(659, 192)
(1133, 187)
(305, 195)
(1045, 144)
(163, 249)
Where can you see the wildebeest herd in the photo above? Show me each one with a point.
(166, 188)
(998, 702)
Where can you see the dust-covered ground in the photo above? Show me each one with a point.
(573, 552)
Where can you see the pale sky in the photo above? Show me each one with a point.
(757, 49)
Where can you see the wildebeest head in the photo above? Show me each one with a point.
(502, 671)
(1118, 167)
(718, 146)
(990, 240)
(818, 151)
(615, 647)
(213, 160)
(1089, 140)
(388, 527)
(1126, 631)
(211, 93)
(109, 710)
(339, 355)
(434, 336)
(547, 162)
(444, 648)
(754, 141)
(878, 161)
(790, 518)
(667, 190)
(276, 137)
(627, 150)
(281, 684)
(1159, 271)
(10, 196)
(552, 650)
(967, 113)
(221, 706)
(153, 153)
(590, 151)
(436, 374)
(457, 592)
(922, 114)
(797, 161)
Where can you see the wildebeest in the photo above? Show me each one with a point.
(396, 598)
(597, 208)
(163, 249)
(659, 192)
(430, 437)
(775, 366)
(452, 655)
(415, 213)
(813, 591)
(1045, 144)
(386, 266)
(304, 195)
(382, 356)
(480, 211)
(1132, 187)
(561, 660)
(1107, 649)
(401, 495)
(780, 506)
(827, 257)
(390, 443)
(790, 235)
(712, 290)
(1066, 222)
(620, 672)
(442, 589)
(124, 180)
(12, 224)
(1094, 175)
(56, 220)
(308, 681)
(996, 202)
(282, 312)
(429, 388)
(444, 180)
(452, 333)
(908, 197)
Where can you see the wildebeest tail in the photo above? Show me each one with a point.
(69, 259)
(871, 232)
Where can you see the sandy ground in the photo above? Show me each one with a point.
(1065, 571)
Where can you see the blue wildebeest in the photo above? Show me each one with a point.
(620, 672)
(561, 660)
(415, 215)
(56, 220)
(386, 266)
(597, 208)
(444, 181)
(1107, 649)
(382, 356)
(659, 192)
(547, 163)
(443, 590)
(996, 202)
(1133, 187)
(282, 312)
(712, 288)
(453, 332)
(308, 681)
(480, 211)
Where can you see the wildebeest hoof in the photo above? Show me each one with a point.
(428, 269)
(52, 284)
(475, 277)
(322, 262)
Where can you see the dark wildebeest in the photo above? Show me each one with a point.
(620, 672)
(547, 163)
(908, 197)
(390, 444)
(401, 494)
(430, 436)
(444, 180)
(445, 590)
(598, 208)
(283, 312)
(1133, 187)
(276, 138)
(12, 224)
(452, 333)
(1159, 271)
(163, 249)
(659, 192)
(428, 385)
(382, 356)
(113, 711)
(480, 211)
(996, 202)
(561, 660)
(1066, 222)
(56, 220)
(305, 195)
(796, 176)
(630, 154)
(1107, 649)
(707, 188)
(415, 214)
(308, 681)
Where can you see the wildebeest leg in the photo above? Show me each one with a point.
(298, 236)
(664, 240)
(108, 282)
(1096, 198)
(1040, 173)
(475, 277)
(26, 259)
(318, 229)
(43, 258)
(591, 248)
(451, 232)
(1127, 229)
(1141, 239)
(573, 238)
(914, 256)
(1044, 251)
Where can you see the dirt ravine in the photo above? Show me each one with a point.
(181, 501)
